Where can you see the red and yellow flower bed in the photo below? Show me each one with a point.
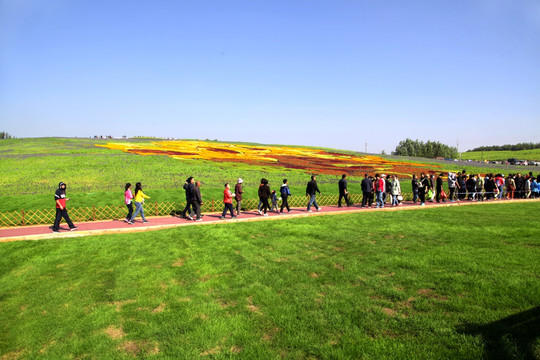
(307, 159)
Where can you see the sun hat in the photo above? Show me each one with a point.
(240, 180)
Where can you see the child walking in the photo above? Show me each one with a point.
(139, 200)
(128, 195)
(274, 201)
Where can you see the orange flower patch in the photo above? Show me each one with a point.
(307, 159)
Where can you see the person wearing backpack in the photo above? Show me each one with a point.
(285, 193)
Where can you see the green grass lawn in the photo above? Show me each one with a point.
(533, 154)
(439, 283)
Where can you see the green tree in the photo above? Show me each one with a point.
(431, 149)
(5, 135)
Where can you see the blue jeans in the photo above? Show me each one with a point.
(138, 209)
(415, 196)
(395, 200)
(380, 201)
(312, 201)
(501, 188)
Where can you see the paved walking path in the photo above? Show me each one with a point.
(39, 232)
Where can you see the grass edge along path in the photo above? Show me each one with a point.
(41, 232)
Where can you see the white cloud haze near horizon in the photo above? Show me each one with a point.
(331, 74)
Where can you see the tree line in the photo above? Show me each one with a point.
(516, 147)
(5, 135)
(430, 149)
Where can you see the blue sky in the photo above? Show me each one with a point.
(338, 74)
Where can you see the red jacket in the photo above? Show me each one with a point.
(227, 196)
(380, 185)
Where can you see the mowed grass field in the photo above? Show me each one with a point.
(533, 155)
(32, 168)
(438, 283)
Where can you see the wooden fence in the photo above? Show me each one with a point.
(111, 212)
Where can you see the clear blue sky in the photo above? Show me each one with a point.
(311, 72)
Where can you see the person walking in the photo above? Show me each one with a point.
(196, 200)
(452, 179)
(387, 196)
(462, 186)
(274, 199)
(432, 187)
(227, 202)
(527, 188)
(311, 190)
(343, 192)
(396, 190)
(439, 188)
(510, 187)
(61, 209)
(535, 188)
(367, 188)
(471, 187)
(479, 187)
(520, 186)
(499, 182)
(285, 193)
(380, 185)
(264, 195)
(414, 184)
(422, 188)
(188, 187)
(238, 195)
(128, 196)
(139, 201)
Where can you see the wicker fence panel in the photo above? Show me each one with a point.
(95, 213)
(36, 217)
(11, 218)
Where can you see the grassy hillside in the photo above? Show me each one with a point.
(448, 285)
(32, 168)
(533, 155)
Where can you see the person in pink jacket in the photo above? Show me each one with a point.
(227, 201)
(128, 196)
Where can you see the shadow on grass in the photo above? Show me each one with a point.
(514, 337)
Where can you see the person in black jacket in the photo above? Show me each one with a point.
(264, 195)
(311, 190)
(422, 189)
(285, 193)
(415, 184)
(439, 188)
(343, 193)
(196, 200)
(520, 186)
(61, 210)
(188, 187)
(367, 190)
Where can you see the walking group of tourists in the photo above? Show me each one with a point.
(381, 188)
(474, 187)
(378, 189)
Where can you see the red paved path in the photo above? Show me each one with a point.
(162, 222)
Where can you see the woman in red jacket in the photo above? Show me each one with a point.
(227, 201)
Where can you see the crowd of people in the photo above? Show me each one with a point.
(378, 189)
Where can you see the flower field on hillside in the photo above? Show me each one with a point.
(308, 159)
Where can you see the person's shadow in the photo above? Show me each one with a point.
(514, 337)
